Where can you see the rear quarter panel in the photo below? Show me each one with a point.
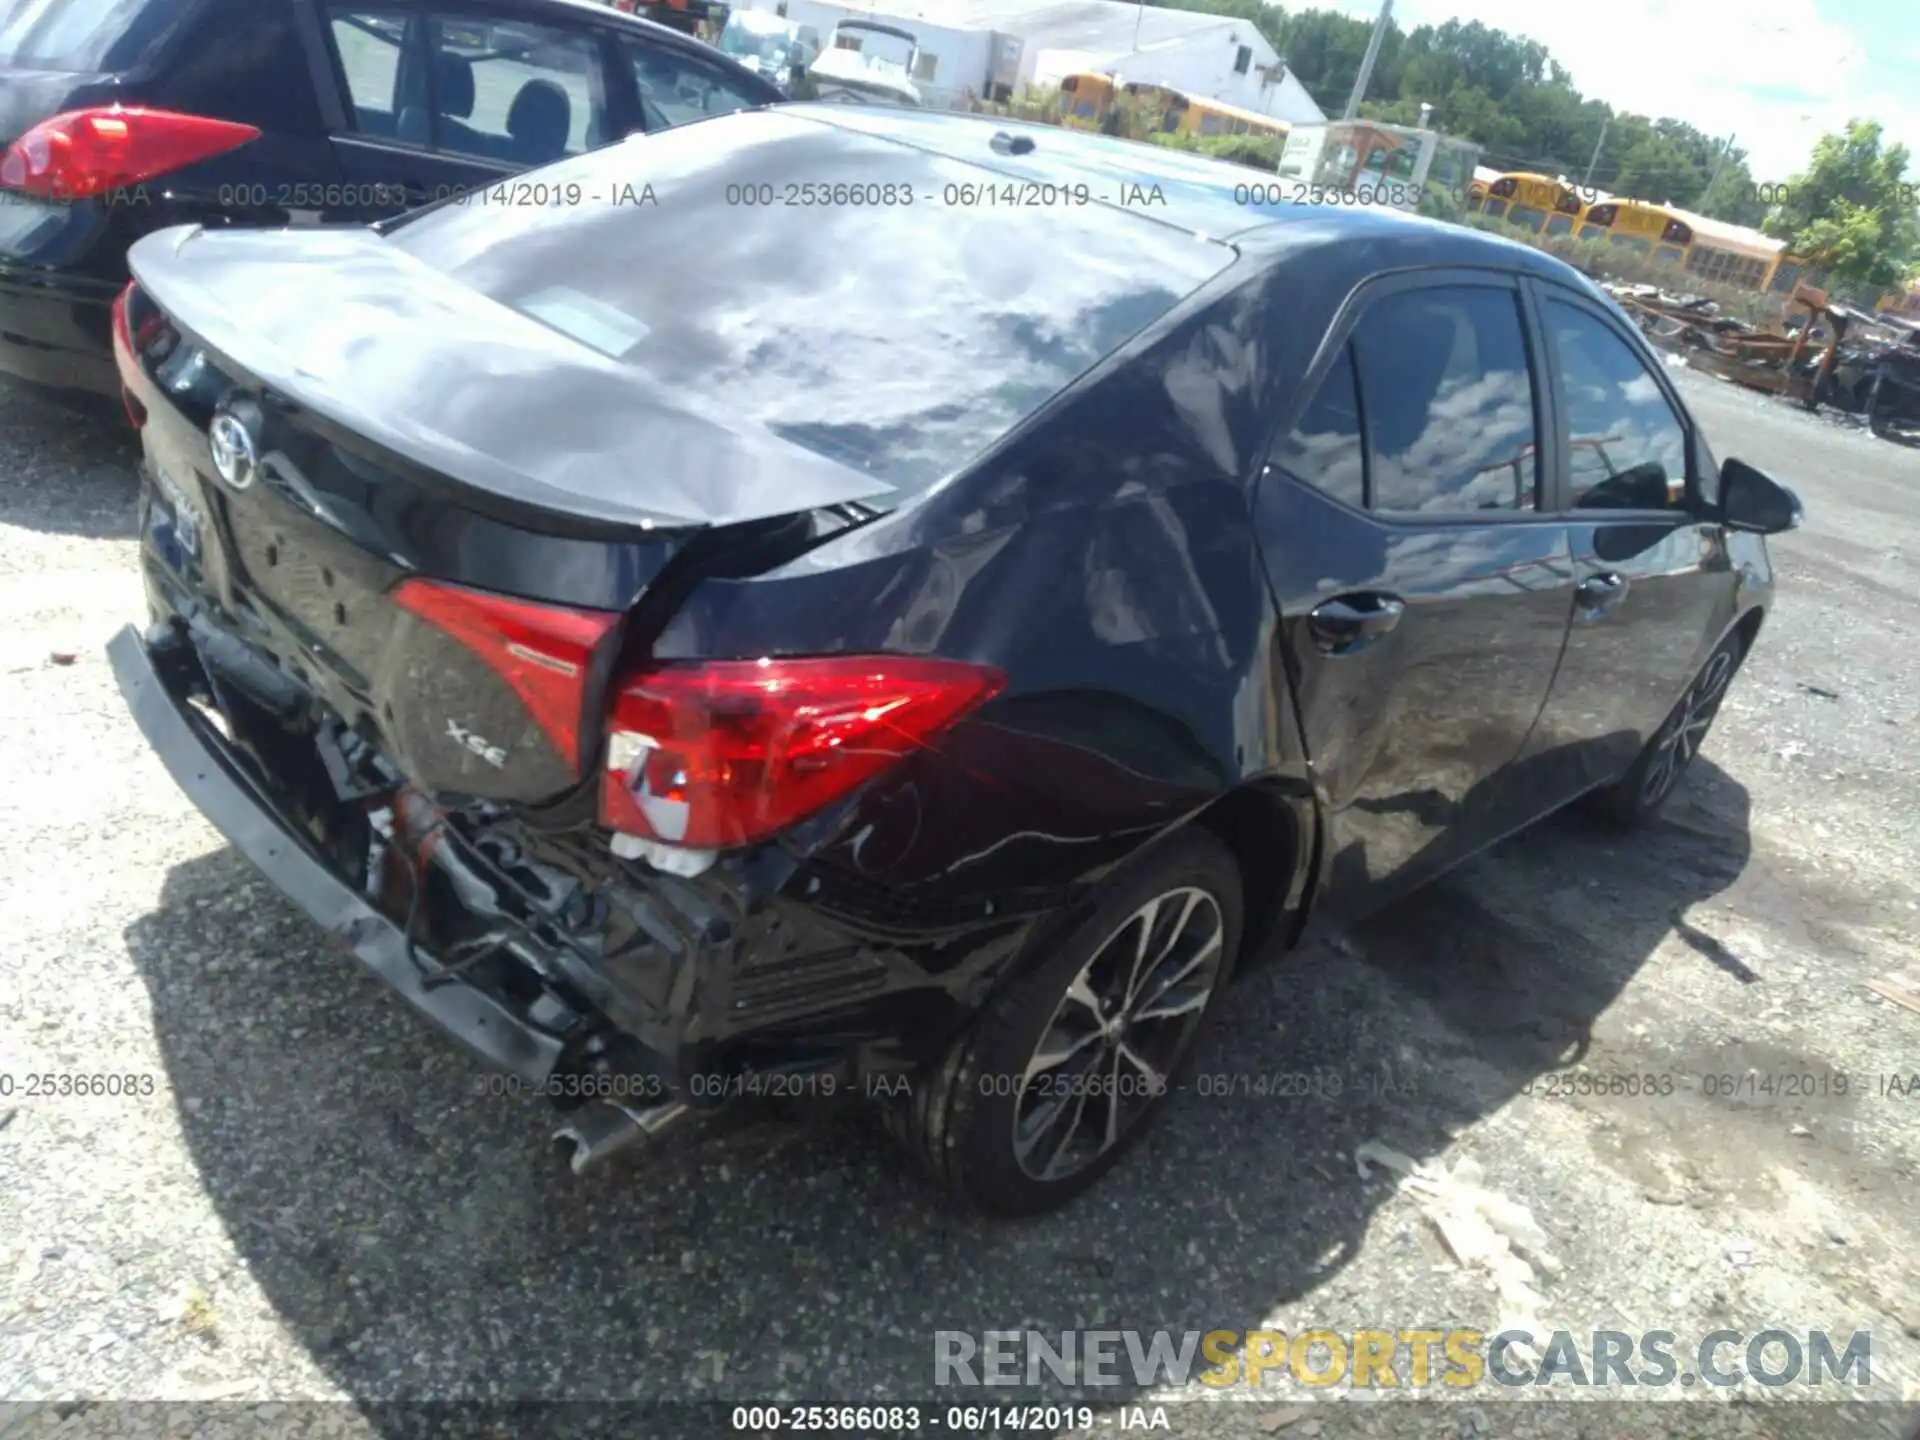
(1102, 558)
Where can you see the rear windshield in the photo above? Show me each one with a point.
(870, 302)
(82, 35)
(1201, 193)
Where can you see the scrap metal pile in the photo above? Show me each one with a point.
(1821, 353)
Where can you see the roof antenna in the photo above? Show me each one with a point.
(1005, 144)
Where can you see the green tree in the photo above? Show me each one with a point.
(1560, 126)
(1850, 212)
(1702, 150)
(1467, 111)
(1434, 61)
(1733, 196)
(1654, 168)
(1323, 50)
(1510, 95)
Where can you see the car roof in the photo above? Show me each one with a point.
(1209, 197)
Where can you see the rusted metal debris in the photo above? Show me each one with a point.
(1820, 353)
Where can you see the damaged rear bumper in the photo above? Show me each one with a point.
(211, 777)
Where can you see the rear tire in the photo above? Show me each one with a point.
(1637, 797)
(1061, 1072)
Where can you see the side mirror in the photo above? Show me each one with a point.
(1754, 502)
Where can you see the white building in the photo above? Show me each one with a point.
(979, 47)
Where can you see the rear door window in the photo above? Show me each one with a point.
(370, 44)
(82, 35)
(507, 91)
(676, 88)
(1324, 450)
(1448, 399)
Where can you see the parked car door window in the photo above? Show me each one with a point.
(1448, 401)
(1626, 447)
(675, 88)
(1324, 449)
(507, 91)
(370, 44)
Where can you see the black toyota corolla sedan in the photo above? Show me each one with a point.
(864, 602)
(119, 118)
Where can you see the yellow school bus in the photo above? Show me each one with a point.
(1086, 100)
(1216, 117)
(1538, 204)
(1717, 252)
(1651, 230)
(1739, 256)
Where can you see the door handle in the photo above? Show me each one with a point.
(1348, 623)
(1598, 594)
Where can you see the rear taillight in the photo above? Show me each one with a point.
(123, 332)
(719, 753)
(124, 359)
(543, 651)
(85, 153)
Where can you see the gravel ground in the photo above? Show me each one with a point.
(318, 1201)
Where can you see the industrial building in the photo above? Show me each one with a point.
(993, 48)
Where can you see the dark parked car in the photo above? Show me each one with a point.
(122, 117)
(758, 672)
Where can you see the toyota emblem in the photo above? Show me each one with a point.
(234, 454)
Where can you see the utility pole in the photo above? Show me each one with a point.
(1366, 61)
(1587, 182)
(1719, 165)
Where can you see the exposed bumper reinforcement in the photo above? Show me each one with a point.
(214, 782)
(600, 1129)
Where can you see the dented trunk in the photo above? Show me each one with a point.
(455, 585)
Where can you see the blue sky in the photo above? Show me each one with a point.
(1776, 73)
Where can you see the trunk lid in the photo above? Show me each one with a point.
(350, 326)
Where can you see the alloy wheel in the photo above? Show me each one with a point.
(1686, 728)
(1117, 1034)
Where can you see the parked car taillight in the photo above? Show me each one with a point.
(124, 359)
(714, 754)
(85, 153)
(543, 651)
